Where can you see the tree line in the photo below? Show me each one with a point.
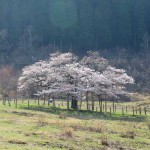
(77, 24)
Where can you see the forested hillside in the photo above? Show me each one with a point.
(77, 24)
(31, 29)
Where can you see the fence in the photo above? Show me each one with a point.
(107, 107)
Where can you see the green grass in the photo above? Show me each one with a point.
(44, 127)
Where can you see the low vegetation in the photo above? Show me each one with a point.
(44, 127)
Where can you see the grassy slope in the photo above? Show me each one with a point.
(45, 128)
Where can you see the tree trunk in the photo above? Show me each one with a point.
(87, 100)
(74, 103)
(100, 103)
(101, 108)
(67, 101)
(105, 106)
(113, 106)
(44, 99)
(81, 103)
(38, 100)
(53, 102)
(92, 101)
(48, 99)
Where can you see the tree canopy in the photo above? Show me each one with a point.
(64, 74)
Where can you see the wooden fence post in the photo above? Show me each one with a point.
(126, 109)
(105, 106)
(133, 110)
(140, 110)
(96, 109)
(9, 103)
(38, 101)
(44, 101)
(28, 103)
(123, 111)
(110, 111)
(115, 108)
(145, 111)
(16, 103)
(136, 110)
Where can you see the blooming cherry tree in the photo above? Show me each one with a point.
(64, 74)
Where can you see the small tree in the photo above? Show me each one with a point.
(8, 82)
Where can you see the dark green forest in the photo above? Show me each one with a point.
(119, 29)
(77, 24)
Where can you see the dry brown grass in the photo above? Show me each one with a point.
(128, 134)
(42, 121)
(62, 116)
(104, 141)
(68, 132)
(99, 127)
(28, 133)
(148, 125)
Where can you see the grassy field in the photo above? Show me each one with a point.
(46, 128)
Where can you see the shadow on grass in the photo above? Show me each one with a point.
(23, 114)
(84, 114)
